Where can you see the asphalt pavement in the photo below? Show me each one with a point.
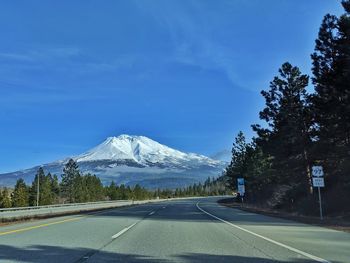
(191, 230)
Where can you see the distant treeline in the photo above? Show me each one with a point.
(302, 129)
(76, 187)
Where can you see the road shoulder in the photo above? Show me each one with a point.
(329, 222)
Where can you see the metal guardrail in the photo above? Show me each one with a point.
(23, 213)
(59, 205)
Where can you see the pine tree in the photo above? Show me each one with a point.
(5, 199)
(287, 139)
(55, 188)
(20, 195)
(79, 188)
(46, 196)
(46, 193)
(237, 167)
(1, 198)
(331, 70)
(139, 192)
(71, 179)
(94, 188)
(124, 195)
(112, 192)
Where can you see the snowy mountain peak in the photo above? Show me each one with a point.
(131, 160)
(140, 149)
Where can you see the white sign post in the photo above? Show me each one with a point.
(318, 181)
(241, 187)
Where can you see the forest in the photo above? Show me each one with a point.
(75, 187)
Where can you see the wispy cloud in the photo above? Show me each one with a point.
(193, 38)
(20, 86)
(40, 54)
(62, 59)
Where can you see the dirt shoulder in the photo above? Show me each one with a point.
(337, 223)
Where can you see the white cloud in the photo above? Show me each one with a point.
(193, 39)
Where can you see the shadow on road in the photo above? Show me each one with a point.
(53, 254)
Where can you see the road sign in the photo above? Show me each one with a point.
(318, 181)
(317, 171)
(240, 186)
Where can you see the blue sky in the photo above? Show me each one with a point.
(185, 73)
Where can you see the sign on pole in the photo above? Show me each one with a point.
(317, 171)
(318, 181)
(240, 186)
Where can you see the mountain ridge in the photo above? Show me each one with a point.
(132, 159)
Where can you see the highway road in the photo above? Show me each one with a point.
(192, 230)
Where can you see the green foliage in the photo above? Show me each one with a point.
(88, 188)
(287, 139)
(71, 185)
(77, 187)
(279, 155)
(238, 166)
(115, 192)
(249, 162)
(5, 200)
(20, 195)
(331, 70)
(46, 194)
(55, 187)
(210, 187)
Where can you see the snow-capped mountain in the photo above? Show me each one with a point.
(140, 149)
(134, 159)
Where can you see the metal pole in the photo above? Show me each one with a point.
(320, 202)
(37, 191)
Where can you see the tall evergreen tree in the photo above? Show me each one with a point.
(70, 179)
(237, 167)
(55, 188)
(79, 188)
(45, 190)
(46, 193)
(20, 195)
(331, 101)
(112, 191)
(286, 138)
(5, 201)
(249, 162)
(94, 188)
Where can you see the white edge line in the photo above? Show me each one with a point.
(266, 238)
(123, 231)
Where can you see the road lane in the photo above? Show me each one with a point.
(183, 233)
(325, 243)
(298, 251)
(174, 231)
(68, 241)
